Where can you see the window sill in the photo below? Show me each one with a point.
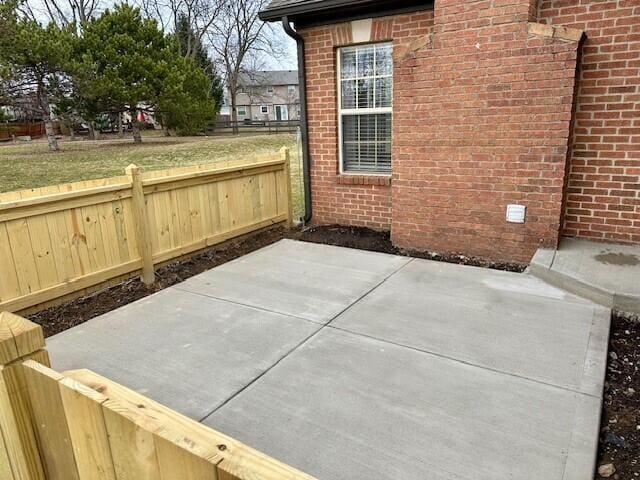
(381, 180)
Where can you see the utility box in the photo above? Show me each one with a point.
(516, 213)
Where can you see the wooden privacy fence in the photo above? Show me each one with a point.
(80, 426)
(23, 129)
(60, 240)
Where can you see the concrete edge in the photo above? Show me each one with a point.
(595, 361)
(541, 269)
(583, 447)
(626, 303)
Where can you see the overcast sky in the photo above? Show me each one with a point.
(290, 61)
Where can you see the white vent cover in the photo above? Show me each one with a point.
(516, 213)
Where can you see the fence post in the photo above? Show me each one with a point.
(20, 340)
(141, 220)
(284, 151)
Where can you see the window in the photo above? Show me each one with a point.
(270, 89)
(291, 89)
(264, 109)
(241, 110)
(365, 74)
(282, 112)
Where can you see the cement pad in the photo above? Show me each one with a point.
(302, 279)
(606, 273)
(348, 407)
(186, 351)
(357, 365)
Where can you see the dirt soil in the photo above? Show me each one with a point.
(70, 314)
(620, 427)
(367, 239)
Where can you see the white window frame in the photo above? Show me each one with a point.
(264, 109)
(359, 111)
(243, 112)
(291, 89)
(284, 112)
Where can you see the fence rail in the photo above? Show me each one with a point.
(228, 127)
(81, 426)
(60, 240)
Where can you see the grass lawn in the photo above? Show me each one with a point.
(32, 165)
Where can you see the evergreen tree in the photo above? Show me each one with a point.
(191, 47)
(124, 63)
(186, 103)
(128, 64)
(31, 60)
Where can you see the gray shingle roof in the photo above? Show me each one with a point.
(271, 77)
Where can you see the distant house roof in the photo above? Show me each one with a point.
(270, 77)
(318, 12)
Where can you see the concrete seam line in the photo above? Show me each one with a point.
(457, 360)
(322, 327)
(375, 287)
(253, 307)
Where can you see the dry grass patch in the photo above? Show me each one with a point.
(32, 165)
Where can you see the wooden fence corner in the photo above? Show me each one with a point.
(20, 340)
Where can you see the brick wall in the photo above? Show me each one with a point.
(481, 120)
(604, 185)
(483, 101)
(348, 200)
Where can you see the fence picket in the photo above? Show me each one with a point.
(58, 241)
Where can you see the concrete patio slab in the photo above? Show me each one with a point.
(346, 406)
(504, 321)
(606, 273)
(189, 352)
(311, 281)
(350, 364)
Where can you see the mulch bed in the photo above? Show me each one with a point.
(367, 239)
(620, 431)
(62, 317)
(620, 427)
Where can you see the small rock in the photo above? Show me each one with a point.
(615, 440)
(606, 470)
(613, 355)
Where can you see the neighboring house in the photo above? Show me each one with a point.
(441, 123)
(268, 95)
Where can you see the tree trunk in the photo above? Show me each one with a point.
(234, 112)
(120, 127)
(92, 131)
(72, 132)
(135, 127)
(51, 135)
(46, 114)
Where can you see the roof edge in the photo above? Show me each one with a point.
(332, 11)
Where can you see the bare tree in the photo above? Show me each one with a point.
(239, 38)
(199, 14)
(61, 12)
